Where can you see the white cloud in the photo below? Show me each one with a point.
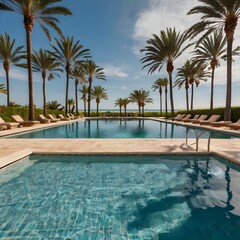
(15, 74)
(112, 71)
(162, 14)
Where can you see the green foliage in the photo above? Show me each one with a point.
(216, 111)
(53, 105)
(6, 112)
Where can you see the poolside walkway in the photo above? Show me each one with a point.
(14, 149)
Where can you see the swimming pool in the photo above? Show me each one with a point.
(120, 197)
(125, 128)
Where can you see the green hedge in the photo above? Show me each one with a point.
(6, 112)
(218, 111)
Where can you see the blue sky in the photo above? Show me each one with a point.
(115, 31)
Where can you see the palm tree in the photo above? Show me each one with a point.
(84, 92)
(141, 97)
(210, 51)
(136, 98)
(3, 89)
(198, 73)
(69, 53)
(79, 76)
(98, 93)
(43, 62)
(164, 49)
(158, 85)
(9, 54)
(53, 105)
(125, 102)
(218, 15)
(166, 92)
(119, 103)
(183, 76)
(43, 12)
(92, 70)
(71, 105)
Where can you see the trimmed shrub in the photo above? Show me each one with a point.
(6, 112)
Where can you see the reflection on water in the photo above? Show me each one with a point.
(112, 197)
(123, 128)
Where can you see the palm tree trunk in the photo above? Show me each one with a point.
(97, 108)
(143, 110)
(160, 93)
(187, 100)
(44, 93)
(84, 106)
(212, 90)
(30, 77)
(166, 110)
(171, 93)
(67, 87)
(120, 111)
(8, 87)
(89, 95)
(139, 110)
(76, 96)
(192, 97)
(125, 111)
(227, 114)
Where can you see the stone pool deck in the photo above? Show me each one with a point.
(13, 149)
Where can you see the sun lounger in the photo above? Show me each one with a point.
(69, 116)
(179, 116)
(191, 119)
(235, 126)
(221, 124)
(74, 117)
(202, 117)
(211, 120)
(9, 125)
(185, 118)
(19, 120)
(3, 127)
(52, 118)
(62, 118)
(42, 119)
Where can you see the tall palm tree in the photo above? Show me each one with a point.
(84, 91)
(78, 74)
(221, 15)
(71, 105)
(68, 53)
(125, 102)
(166, 93)
(141, 97)
(198, 73)
(211, 50)
(158, 85)
(164, 49)
(3, 89)
(99, 93)
(119, 103)
(135, 97)
(43, 62)
(92, 70)
(44, 13)
(183, 76)
(9, 54)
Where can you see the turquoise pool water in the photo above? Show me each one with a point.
(115, 129)
(120, 197)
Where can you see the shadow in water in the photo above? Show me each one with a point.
(206, 221)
